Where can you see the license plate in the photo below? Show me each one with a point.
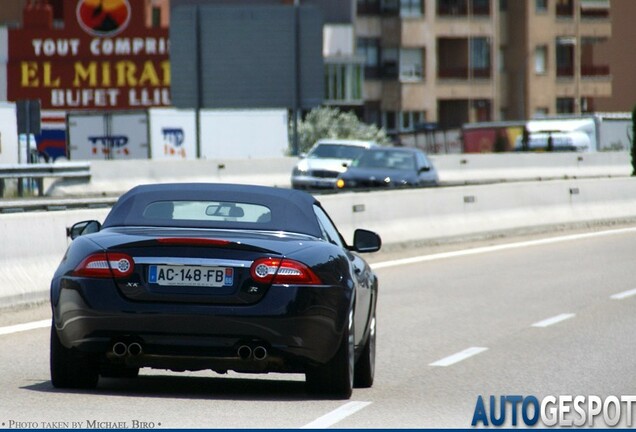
(170, 275)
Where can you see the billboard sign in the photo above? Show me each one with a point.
(103, 58)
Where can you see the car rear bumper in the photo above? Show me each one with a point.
(296, 325)
(299, 182)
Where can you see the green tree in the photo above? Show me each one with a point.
(327, 122)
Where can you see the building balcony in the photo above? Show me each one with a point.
(463, 73)
(587, 71)
(463, 8)
(565, 72)
(595, 9)
(593, 71)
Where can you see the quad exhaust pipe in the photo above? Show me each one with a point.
(245, 352)
(120, 349)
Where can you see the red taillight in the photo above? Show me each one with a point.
(283, 271)
(106, 265)
(192, 241)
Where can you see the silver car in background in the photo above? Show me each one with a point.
(325, 161)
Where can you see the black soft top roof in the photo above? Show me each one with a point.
(291, 210)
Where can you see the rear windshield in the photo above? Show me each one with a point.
(336, 151)
(386, 159)
(207, 211)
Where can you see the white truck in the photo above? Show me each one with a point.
(166, 133)
(588, 132)
(9, 134)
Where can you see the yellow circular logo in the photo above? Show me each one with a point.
(103, 17)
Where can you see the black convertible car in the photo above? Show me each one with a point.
(211, 276)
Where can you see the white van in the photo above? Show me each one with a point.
(575, 141)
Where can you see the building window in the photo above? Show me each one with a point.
(564, 8)
(409, 120)
(565, 105)
(390, 7)
(411, 64)
(389, 121)
(452, 7)
(411, 8)
(390, 63)
(541, 59)
(540, 112)
(343, 83)
(369, 49)
(481, 7)
(565, 56)
(368, 7)
(480, 57)
(541, 6)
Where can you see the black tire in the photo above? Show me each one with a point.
(365, 366)
(335, 378)
(70, 369)
(109, 370)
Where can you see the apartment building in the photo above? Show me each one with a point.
(451, 62)
(404, 63)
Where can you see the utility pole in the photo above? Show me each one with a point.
(297, 105)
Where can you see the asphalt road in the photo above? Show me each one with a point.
(540, 317)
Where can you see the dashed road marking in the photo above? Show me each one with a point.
(456, 358)
(336, 415)
(554, 320)
(623, 295)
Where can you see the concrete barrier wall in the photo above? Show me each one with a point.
(430, 214)
(116, 177)
(34, 243)
(31, 247)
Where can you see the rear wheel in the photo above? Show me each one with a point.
(71, 369)
(365, 366)
(336, 377)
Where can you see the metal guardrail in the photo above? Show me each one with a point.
(54, 204)
(38, 172)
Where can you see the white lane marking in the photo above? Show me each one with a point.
(456, 358)
(486, 249)
(623, 295)
(554, 320)
(336, 415)
(24, 327)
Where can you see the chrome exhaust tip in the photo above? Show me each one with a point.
(244, 352)
(120, 349)
(134, 349)
(260, 353)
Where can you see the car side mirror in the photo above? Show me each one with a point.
(425, 169)
(82, 228)
(366, 241)
(302, 156)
